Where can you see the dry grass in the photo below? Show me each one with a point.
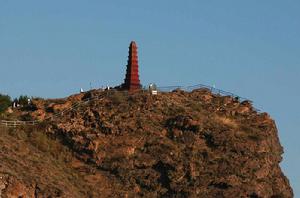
(46, 161)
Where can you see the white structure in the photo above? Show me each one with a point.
(153, 89)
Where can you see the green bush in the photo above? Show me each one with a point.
(5, 102)
(23, 100)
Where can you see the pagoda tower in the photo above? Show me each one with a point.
(132, 81)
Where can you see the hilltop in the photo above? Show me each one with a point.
(116, 144)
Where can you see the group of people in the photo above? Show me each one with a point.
(16, 103)
(106, 88)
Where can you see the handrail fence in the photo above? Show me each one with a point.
(16, 123)
(201, 86)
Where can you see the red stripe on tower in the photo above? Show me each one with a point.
(132, 81)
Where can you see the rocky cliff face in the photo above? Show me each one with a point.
(175, 144)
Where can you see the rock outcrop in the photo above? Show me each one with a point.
(176, 144)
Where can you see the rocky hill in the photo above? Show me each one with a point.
(178, 144)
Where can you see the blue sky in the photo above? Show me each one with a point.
(252, 48)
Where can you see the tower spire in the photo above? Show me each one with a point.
(132, 81)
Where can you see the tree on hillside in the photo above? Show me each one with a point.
(5, 102)
(23, 100)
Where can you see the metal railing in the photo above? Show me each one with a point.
(16, 123)
(210, 88)
(74, 106)
(201, 86)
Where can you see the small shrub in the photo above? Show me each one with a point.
(5, 102)
(255, 137)
(195, 106)
(26, 117)
(117, 97)
(40, 140)
(173, 110)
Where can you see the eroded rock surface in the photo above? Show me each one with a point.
(175, 144)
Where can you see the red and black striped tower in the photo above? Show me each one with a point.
(132, 80)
